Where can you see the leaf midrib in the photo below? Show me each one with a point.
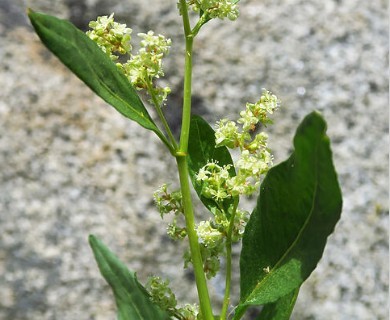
(101, 82)
(297, 238)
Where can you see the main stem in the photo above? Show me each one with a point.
(181, 159)
(200, 279)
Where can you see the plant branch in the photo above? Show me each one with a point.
(228, 276)
(162, 118)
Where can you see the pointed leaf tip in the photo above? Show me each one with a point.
(298, 207)
(88, 62)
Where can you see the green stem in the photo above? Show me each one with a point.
(196, 257)
(226, 298)
(161, 116)
(186, 18)
(186, 117)
(181, 159)
(204, 18)
(228, 277)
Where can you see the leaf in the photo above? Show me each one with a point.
(201, 150)
(88, 62)
(281, 309)
(131, 297)
(297, 209)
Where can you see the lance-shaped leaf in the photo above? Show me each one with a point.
(88, 62)
(298, 207)
(131, 297)
(201, 150)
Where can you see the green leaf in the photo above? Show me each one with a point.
(131, 297)
(297, 209)
(88, 62)
(201, 150)
(281, 309)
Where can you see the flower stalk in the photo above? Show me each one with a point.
(181, 159)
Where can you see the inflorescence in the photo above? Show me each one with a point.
(141, 69)
(162, 295)
(215, 8)
(218, 183)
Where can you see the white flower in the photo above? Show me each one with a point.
(226, 133)
(216, 8)
(112, 37)
(209, 236)
(212, 177)
(248, 119)
(254, 164)
(142, 68)
(255, 158)
(268, 101)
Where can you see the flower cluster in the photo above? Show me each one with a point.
(212, 236)
(219, 183)
(167, 202)
(162, 295)
(255, 158)
(211, 262)
(189, 312)
(258, 112)
(240, 220)
(146, 66)
(214, 180)
(142, 68)
(216, 8)
(112, 37)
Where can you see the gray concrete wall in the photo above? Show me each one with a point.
(70, 165)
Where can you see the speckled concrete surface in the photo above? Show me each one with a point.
(70, 165)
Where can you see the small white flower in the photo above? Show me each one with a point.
(267, 269)
(209, 236)
(248, 119)
(203, 174)
(216, 8)
(112, 37)
(142, 68)
(226, 133)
